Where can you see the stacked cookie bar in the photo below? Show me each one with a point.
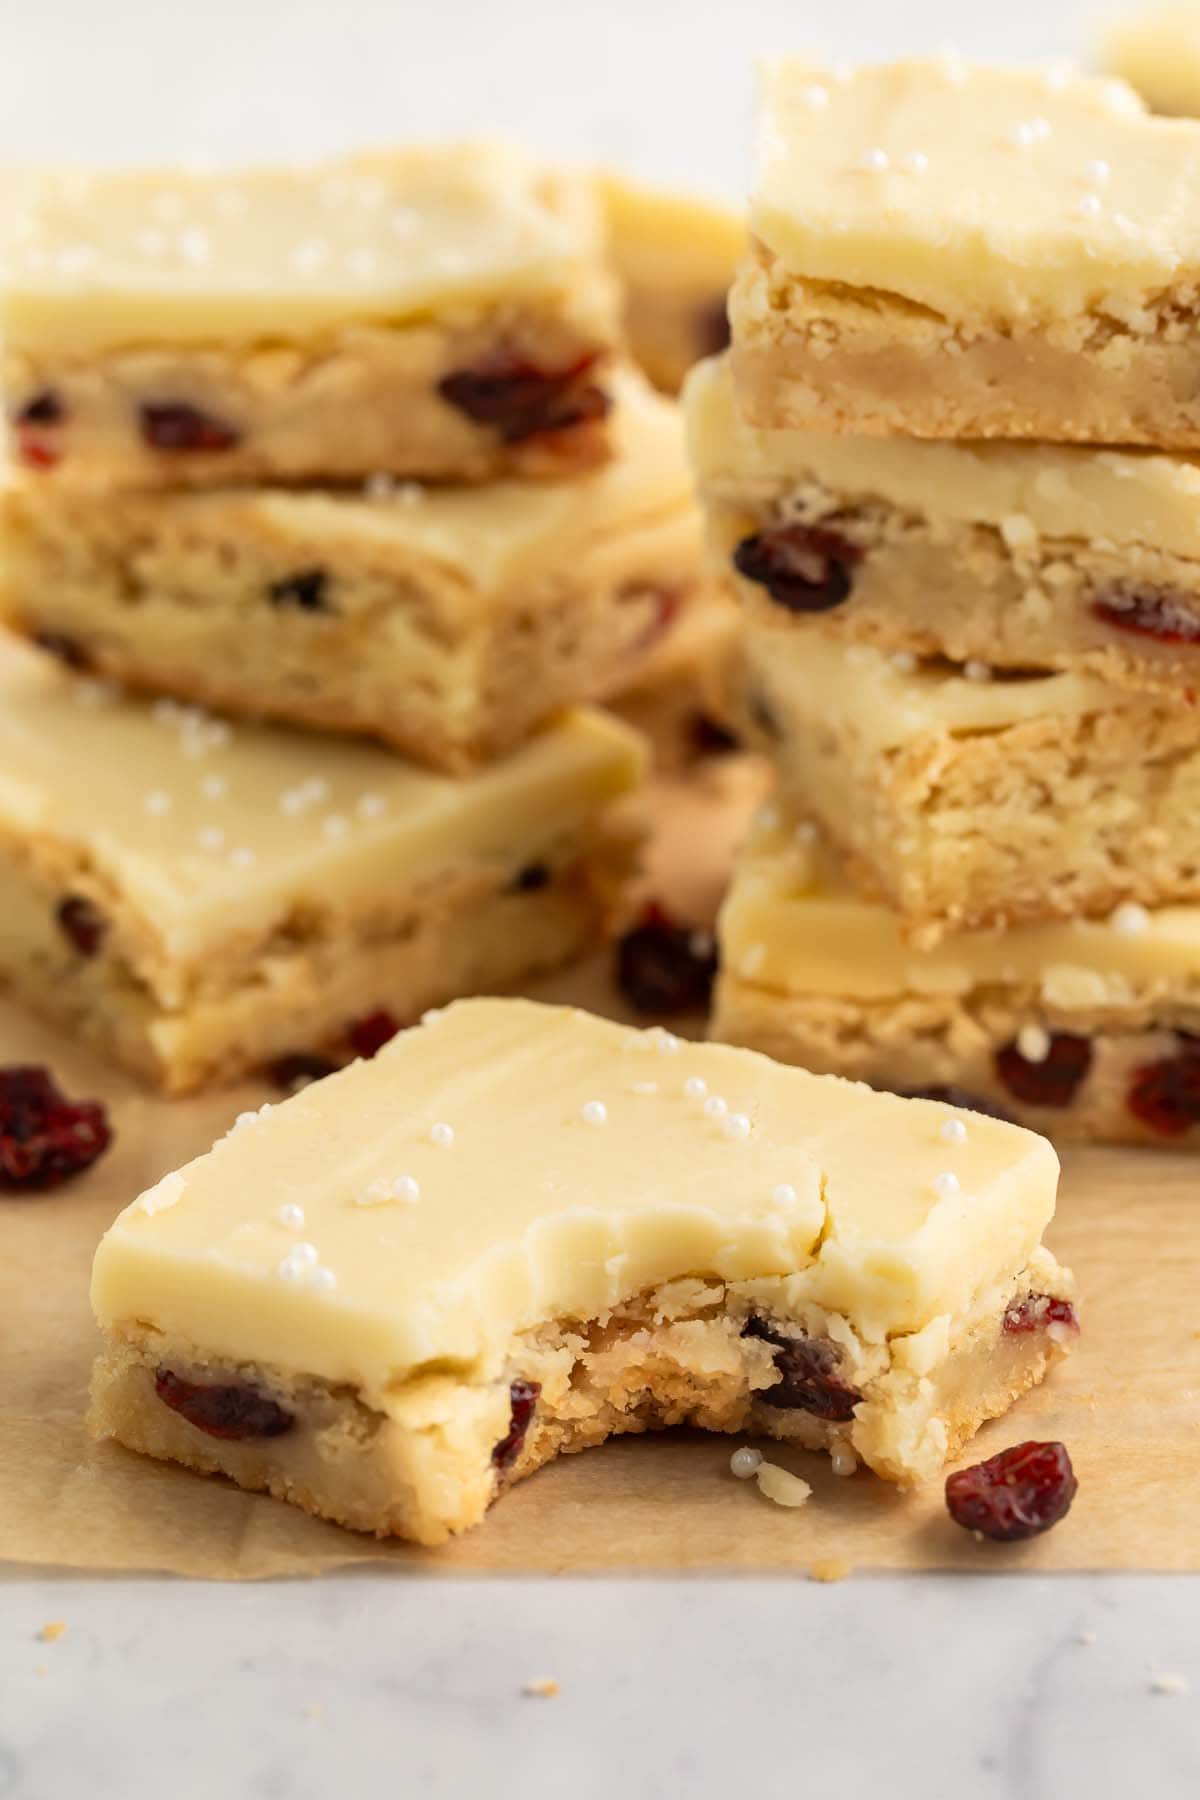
(950, 464)
(346, 450)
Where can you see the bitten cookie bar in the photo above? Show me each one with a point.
(1018, 555)
(438, 312)
(199, 901)
(446, 622)
(1156, 50)
(414, 1283)
(966, 800)
(1083, 1029)
(675, 257)
(950, 251)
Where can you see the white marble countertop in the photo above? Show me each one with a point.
(921, 1687)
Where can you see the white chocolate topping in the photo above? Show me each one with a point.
(80, 775)
(534, 1214)
(1027, 491)
(105, 259)
(677, 240)
(1006, 219)
(1157, 51)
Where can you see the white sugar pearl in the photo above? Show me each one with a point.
(695, 1087)
(214, 787)
(1029, 131)
(1090, 206)
(977, 671)
(785, 1194)
(666, 1043)
(815, 96)
(875, 160)
(335, 826)
(292, 1216)
(407, 1188)
(737, 1125)
(1098, 171)
(1033, 1042)
(442, 1135)
(595, 1112)
(324, 1279)
(157, 803)
(371, 806)
(210, 837)
(952, 1131)
(946, 1185)
(842, 1458)
(242, 858)
(916, 162)
(1130, 919)
(745, 1462)
(715, 1107)
(305, 1256)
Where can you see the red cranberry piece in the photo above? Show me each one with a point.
(67, 649)
(223, 1409)
(370, 1034)
(1149, 612)
(45, 408)
(665, 968)
(291, 1073)
(40, 413)
(1052, 1082)
(808, 1378)
(524, 1397)
(1033, 1312)
(1165, 1095)
(44, 1137)
(804, 569)
(34, 454)
(950, 1095)
(83, 923)
(173, 425)
(307, 591)
(520, 399)
(712, 327)
(1017, 1494)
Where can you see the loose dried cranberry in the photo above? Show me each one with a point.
(523, 1396)
(1033, 1312)
(291, 1073)
(46, 408)
(1165, 1095)
(665, 968)
(306, 591)
(803, 568)
(712, 327)
(522, 400)
(223, 1409)
(711, 738)
(67, 649)
(370, 1034)
(1052, 1082)
(1150, 613)
(44, 1137)
(958, 1097)
(531, 879)
(1017, 1494)
(83, 923)
(173, 425)
(808, 1378)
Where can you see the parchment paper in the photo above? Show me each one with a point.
(1127, 1403)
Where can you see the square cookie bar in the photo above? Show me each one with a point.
(675, 256)
(968, 802)
(1018, 555)
(1081, 1028)
(199, 901)
(448, 622)
(955, 251)
(439, 312)
(409, 1286)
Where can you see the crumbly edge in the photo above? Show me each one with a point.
(420, 1464)
(919, 1041)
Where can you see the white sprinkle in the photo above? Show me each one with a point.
(785, 1194)
(1028, 132)
(1033, 1042)
(291, 1215)
(1130, 919)
(815, 96)
(214, 787)
(977, 671)
(695, 1087)
(168, 1192)
(916, 162)
(403, 1187)
(903, 661)
(157, 803)
(1098, 171)
(715, 1107)
(666, 1043)
(946, 1185)
(371, 806)
(210, 837)
(644, 1087)
(745, 1462)
(242, 858)
(324, 1278)
(737, 1125)
(308, 256)
(442, 1135)
(594, 1112)
(432, 1014)
(380, 486)
(952, 1131)
(806, 831)
(300, 1260)
(1090, 206)
(875, 160)
(1170, 1684)
(335, 826)
(842, 1457)
(243, 1119)
(701, 943)
(194, 246)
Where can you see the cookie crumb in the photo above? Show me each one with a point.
(830, 1568)
(315, 1709)
(542, 1687)
(1170, 1684)
(780, 1485)
(1086, 1637)
(50, 1633)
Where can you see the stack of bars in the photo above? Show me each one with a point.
(950, 466)
(354, 451)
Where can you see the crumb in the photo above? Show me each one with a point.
(780, 1485)
(830, 1568)
(50, 1634)
(542, 1687)
(42, 1669)
(1170, 1684)
(315, 1709)
(1086, 1637)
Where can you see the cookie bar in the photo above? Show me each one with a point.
(414, 1283)
(438, 312)
(950, 251)
(1018, 555)
(969, 802)
(1157, 51)
(199, 901)
(1083, 1029)
(446, 622)
(675, 256)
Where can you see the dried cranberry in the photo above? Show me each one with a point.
(46, 408)
(83, 923)
(36, 455)
(808, 1378)
(712, 327)
(223, 1409)
(173, 425)
(531, 879)
(523, 1396)
(1052, 1082)
(1017, 1494)
(1150, 613)
(665, 968)
(1033, 1312)
(1165, 1095)
(291, 1073)
(711, 738)
(368, 1035)
(958, 1097)
(522, 400)
(803, 568)
(44, 1137)
(307, 591)
(67, 649)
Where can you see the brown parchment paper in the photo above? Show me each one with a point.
(1127, 1403)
